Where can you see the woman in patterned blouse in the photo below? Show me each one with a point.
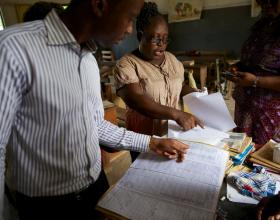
(257, 78)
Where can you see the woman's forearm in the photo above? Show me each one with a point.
(148, 107)
(269, 82)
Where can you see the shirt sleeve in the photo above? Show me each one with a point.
(125, 72)
(11, 85)
(181, 70)
(113, 136)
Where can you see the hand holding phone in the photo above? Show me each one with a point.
(229, 74)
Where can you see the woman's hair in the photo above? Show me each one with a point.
(143, 20)
(39, 10)
(265, 2)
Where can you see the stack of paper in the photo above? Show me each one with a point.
(210, 109)
(239, 147)
(206, 135)
(236, 141)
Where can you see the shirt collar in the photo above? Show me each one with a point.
(58, 33)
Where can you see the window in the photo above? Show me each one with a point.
(1, 21)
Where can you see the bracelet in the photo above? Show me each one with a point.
(255, 83)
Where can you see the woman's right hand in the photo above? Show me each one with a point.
(186, 121)
(233, 68)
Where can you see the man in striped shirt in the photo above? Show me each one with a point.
(51, 112)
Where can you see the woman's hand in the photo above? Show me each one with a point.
(269, 208)
(186, 89)
(169, 148)
(243, 79)
(185, 120)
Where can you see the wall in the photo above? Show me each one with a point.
(208, 4)
(10, 16)
(222, 26)
(218, 29)
(9, 10)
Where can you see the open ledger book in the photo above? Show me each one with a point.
(157, 188)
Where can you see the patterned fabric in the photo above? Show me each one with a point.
(51, 111)
(162, 83)
(256, 184)
(257, 110)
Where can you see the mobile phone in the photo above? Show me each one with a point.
(228, 74)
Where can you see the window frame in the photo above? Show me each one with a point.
(2, 22)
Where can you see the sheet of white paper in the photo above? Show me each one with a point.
(157, 188)
(234, 196)
(211, 109)
(199, 94)
(205, 135)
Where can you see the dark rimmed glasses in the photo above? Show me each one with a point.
(158, 40)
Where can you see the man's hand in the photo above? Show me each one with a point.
(186, 121)
(170, 148)
(269, 208)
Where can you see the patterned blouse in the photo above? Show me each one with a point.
(257, 109)
(162, 83)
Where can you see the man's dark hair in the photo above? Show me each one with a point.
(143, 20)
(39, 10)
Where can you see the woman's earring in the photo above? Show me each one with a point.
(139, 47)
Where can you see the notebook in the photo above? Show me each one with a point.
(156, 188)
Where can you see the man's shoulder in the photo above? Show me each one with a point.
(23, 31)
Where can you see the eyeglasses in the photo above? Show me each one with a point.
(157, 40)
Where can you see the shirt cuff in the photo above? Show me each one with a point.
(140, 143)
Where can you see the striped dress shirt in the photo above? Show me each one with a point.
(51, 112)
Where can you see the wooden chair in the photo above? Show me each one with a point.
(106, 60)
(204, 61)
(107, 55)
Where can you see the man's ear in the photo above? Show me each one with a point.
(100, 7)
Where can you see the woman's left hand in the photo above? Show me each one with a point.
(244, 79)
(269, 208)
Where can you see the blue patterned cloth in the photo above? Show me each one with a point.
(256, 184)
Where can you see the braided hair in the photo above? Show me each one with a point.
(143, 20)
